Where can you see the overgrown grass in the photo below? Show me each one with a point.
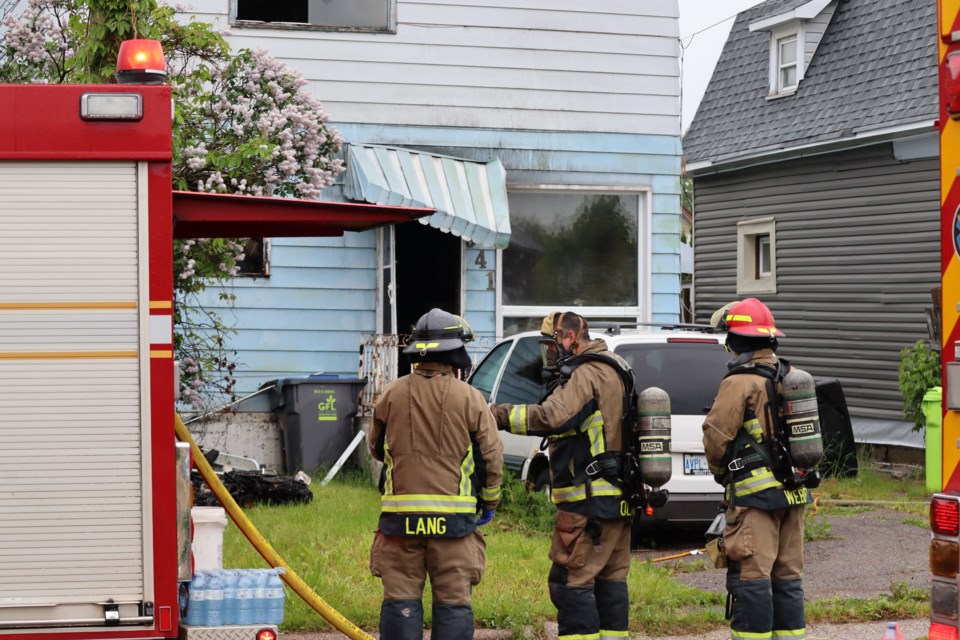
(327, 543)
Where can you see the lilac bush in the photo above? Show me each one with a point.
(244, 123)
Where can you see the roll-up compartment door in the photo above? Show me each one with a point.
(72, 474)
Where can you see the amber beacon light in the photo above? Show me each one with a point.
(141, 62)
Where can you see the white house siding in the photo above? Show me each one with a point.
(562, 93)
(496, 64)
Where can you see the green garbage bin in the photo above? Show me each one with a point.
(932, 407)
(316, 418)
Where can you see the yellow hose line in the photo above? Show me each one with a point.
(260, 543)
(680, 555)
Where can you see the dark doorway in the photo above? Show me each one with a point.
(428, 274)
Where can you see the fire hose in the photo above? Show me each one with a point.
(260, 543)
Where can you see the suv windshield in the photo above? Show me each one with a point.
(690, 372)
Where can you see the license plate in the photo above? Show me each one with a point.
(695, 464)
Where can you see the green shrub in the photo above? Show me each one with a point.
(919, 371)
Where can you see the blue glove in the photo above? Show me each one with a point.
(485, 516)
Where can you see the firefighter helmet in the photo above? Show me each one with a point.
(438, 331)
(750, 318)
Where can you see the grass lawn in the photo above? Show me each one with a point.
(327, 543)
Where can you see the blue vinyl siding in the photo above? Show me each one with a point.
(308, 316)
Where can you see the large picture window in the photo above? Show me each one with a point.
(572, 250)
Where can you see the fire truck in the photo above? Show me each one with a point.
(94, 484)
(945, 506)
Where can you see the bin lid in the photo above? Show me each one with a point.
(276, 394)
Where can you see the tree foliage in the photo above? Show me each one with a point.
(919, 371)
(243, 123)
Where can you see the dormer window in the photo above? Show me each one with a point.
(787, 69)
(794, 37)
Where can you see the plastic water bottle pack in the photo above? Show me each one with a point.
(220, 597)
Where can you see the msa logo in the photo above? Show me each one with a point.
(804, 429)
(651, 447)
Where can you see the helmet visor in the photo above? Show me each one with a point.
(549, 353)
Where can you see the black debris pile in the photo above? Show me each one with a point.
(252, 487)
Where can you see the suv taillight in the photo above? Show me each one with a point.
(940, 631)
(945, 515)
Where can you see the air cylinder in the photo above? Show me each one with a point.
(802, 419)
(653, 409)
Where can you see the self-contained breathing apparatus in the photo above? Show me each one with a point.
(645, 464)
(796, 446)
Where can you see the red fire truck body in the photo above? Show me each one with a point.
(94, 487)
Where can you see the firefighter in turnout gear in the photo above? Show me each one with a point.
(581, 418)
(443, 462)
(763, 536)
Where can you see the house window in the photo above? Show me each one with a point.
(787, 71)
(757, 256)
(763, 255)
(256, 258)
(362, 15)
(573, 249)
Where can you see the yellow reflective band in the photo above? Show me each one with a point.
(593, 426)
(518, 419)
(795, 634)
(488, 494)
(425, 503)
(754, 429)
(730, 318)
(757, 482)
(580, 636)
(767, 329)
(578, 492)
(467, 467)
(606, 633)
(735, 635)
(427, 345)
(388, 476)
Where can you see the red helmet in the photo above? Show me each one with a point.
(751, 318)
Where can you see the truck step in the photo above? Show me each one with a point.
(226, 632)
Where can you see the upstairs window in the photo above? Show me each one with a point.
(756, 256)
(345, 15)
(787, 63)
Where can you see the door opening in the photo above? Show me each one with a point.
(428, 275)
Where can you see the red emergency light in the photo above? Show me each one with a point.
(950, 78)
(141, 62)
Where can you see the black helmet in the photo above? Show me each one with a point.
(438, 331)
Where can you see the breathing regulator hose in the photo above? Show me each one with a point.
(260, 543)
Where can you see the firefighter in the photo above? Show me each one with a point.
(581, 419)
(763, 536)
(443, 462)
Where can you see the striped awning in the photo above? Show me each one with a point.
(470, 197)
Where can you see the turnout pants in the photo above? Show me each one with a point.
(588, 584)
(454, 566)
(765, 552)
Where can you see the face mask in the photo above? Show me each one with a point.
(549, 353)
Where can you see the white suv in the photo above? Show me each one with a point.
(687, 361)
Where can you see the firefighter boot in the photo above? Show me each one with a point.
(401, 620)
(452, 622)
(788, 618)
(613, 604)
(752, 608)
(576, 606)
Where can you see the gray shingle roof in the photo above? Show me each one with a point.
(876, 67)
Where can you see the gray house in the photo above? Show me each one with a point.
(814, 158)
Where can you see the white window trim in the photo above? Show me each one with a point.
(747, 232)
(642, 312)
(793, 29)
